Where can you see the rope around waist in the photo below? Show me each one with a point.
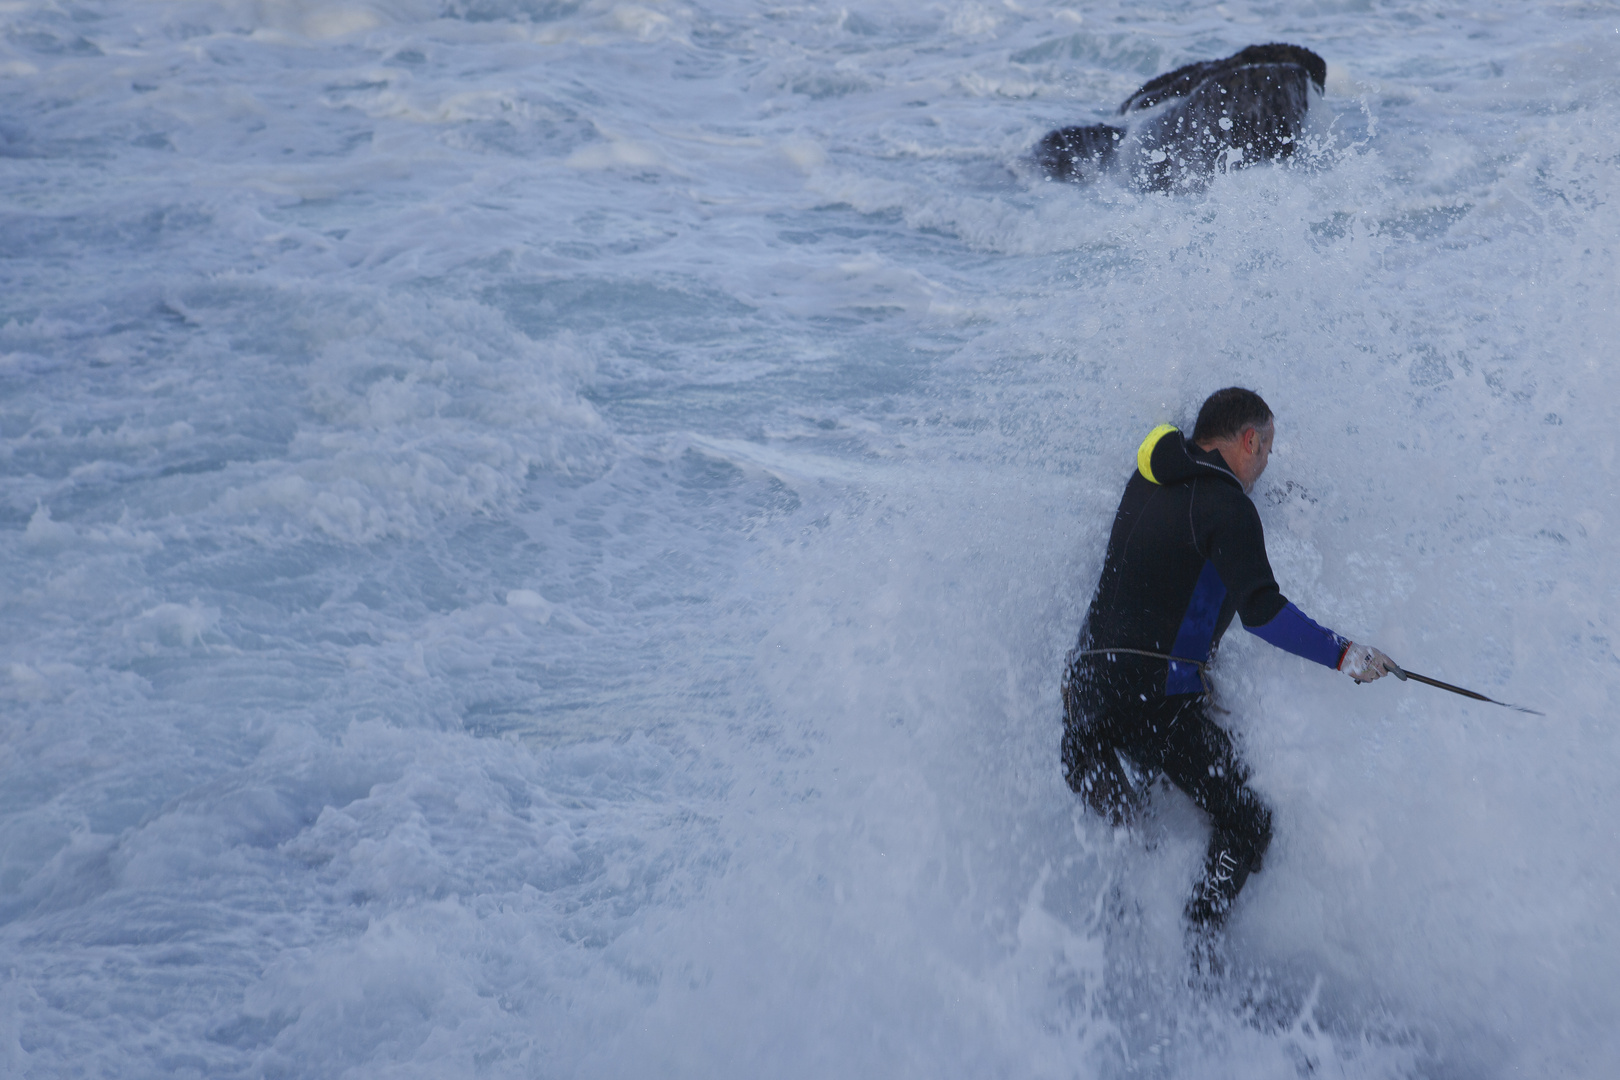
(1201, 665)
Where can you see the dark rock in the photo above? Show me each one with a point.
(1181, 127)
(1079, 153)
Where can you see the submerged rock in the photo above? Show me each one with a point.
(1180, 127)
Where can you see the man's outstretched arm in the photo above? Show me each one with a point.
(1237, 546)
(1294, 631)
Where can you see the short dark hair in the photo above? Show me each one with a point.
(1230, 412)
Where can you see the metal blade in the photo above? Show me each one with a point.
(1404, 675)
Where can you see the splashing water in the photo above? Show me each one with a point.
(539, 539)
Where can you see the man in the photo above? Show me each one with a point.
(1187, 552)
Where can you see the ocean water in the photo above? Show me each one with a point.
(537, 539)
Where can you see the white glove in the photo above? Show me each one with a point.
(1364, 663)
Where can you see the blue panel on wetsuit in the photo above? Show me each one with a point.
(1196, 632)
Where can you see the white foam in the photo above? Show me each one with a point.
(615, 154)
(539, 539)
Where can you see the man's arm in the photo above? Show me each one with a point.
(1294, 631)
(1238, 549)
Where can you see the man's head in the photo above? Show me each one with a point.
(1239, 424)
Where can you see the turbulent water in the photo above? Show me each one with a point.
(539, 539)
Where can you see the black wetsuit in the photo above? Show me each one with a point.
(1186, 554)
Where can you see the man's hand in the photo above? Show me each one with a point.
(1364, 663)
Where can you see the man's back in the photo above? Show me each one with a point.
(1186, 553)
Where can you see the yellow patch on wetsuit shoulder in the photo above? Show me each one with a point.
(1144, 453)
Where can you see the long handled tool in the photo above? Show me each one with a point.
(1404, 675)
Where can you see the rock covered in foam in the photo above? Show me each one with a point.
(1182, 127)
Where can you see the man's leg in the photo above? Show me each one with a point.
(1199, 758)
(1091, 763)
(1093, 770)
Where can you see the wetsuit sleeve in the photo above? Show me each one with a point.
(1237, 543)
(1293, 631)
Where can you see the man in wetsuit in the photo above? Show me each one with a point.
(1187, 552)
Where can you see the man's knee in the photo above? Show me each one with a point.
(1094, 772)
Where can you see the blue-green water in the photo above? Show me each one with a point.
(538, 540)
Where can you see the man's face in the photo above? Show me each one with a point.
(1256, 452)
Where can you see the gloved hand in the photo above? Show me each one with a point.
(1364, 663)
